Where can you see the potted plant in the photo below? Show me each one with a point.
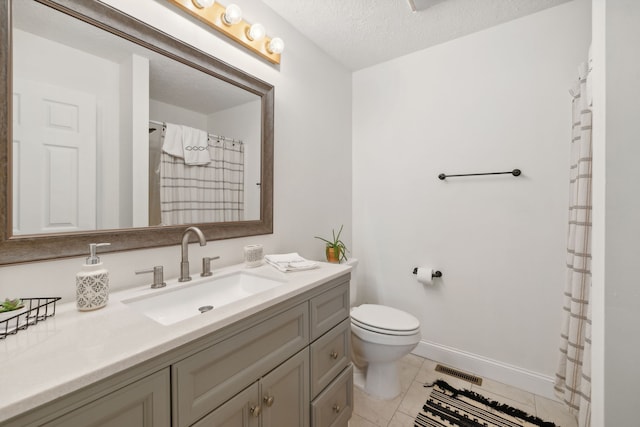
(10, 308)
(336, 249)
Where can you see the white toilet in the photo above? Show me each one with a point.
(380, 336)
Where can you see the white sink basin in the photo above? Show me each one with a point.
(181, 301)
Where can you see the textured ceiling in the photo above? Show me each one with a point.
(361, 33)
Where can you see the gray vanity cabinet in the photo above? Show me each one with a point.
(285, 366)
(204, 381)
(330, 359)
(145, 403)
(280, 398)
(218, 385)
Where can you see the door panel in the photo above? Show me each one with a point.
(285, 393)
(54, 159)
(243, 410)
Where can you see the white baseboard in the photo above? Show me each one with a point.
(523, 379)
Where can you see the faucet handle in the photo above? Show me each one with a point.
(158, 276)
(206, 265)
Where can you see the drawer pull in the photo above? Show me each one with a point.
(334, 355)
(268, 400)
(336, 408)
(255, 411)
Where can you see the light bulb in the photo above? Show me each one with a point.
(203, 3)
(256, 32)
(276, 45)
(232, 14)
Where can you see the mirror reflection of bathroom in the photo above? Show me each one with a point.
(102, 90)
(197, 175)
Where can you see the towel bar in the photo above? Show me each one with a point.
(515, 172)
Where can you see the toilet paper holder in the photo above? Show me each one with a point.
(436, 273)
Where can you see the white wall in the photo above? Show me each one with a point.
(163, 112)
(616, 229)
(598, 25)
(491, 101)
(133, 166)
(312, 155)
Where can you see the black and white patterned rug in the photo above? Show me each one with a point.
(448, 406)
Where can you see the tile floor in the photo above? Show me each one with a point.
(416, 371)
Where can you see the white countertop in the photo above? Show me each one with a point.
(74, 349)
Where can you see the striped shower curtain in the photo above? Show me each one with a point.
(205, 193)
(228, 161)
(573, 377)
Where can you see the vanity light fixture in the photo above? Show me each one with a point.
(232, 14)
(275, 45)
(228, 20)
(203, 3)
(256, 32)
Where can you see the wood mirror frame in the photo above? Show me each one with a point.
(28, 248)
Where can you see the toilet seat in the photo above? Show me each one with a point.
(384, 320)
(390, 340)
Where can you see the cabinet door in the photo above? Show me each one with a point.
(243, 410)
(143, 403)
(206, 380)
(285, 393)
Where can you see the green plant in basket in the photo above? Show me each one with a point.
(10, 305)
(336, 249)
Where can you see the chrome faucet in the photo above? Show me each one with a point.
(184, 265)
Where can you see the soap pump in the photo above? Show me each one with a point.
(92, 284)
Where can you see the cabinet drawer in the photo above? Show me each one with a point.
(332, 408)
(330, 354)
(204, 381)
(143, 403)
(328, 309)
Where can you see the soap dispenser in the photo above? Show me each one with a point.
(92, 284)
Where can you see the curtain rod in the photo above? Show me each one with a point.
(211, 135)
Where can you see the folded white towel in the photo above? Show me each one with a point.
(196, 146)
(172, 143)
(290, 262)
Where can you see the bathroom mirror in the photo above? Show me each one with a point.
(91, 94)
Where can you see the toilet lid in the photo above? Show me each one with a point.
(384, 319)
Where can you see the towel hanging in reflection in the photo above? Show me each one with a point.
(186, 143)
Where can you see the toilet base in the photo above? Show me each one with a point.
(379, 380)
(359, 376)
